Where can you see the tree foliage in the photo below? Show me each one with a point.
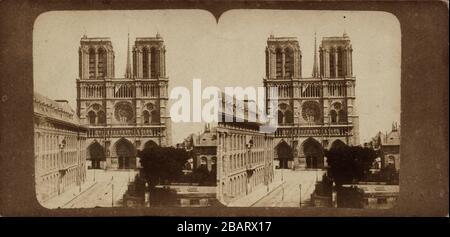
(162, 164)
(203, 176)
(348, 164)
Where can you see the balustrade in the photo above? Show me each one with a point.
(318, 131)
(125, 132)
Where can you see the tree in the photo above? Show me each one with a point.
(389, 174)
(348, 164)
(201, 175)
(162, 164)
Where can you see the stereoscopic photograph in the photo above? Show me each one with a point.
(257, 108)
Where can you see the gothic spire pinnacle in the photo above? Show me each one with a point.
(315, 72)
(128, 73)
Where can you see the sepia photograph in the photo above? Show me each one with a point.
(258, 108)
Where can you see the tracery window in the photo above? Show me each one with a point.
(101, 65)
(340, 62)
(279, 63)
(91, 117)
(332, 63)
(145, 63)
(91, 63)
(154, 63)
(289, 63)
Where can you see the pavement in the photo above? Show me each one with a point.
(102, 188)
(288, 194)
(258, 193)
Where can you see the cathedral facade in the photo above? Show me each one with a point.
(317, 112)
(123, 114)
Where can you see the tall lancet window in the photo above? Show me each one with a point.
(145, 67)
(333, 116)
(91, 117)
(91, 63)
(289, 63)
(155, 63)
(342, 116)
(146, 116)
(267, 63)
(340, 62)
(101, 65)
(321, 62)
(279, 63)
(332, 63)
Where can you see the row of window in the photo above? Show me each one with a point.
(48, 149)
(150, 63)
(241, 141)
(239, 161)
(337, 63)
(53, 160)
(240, 185)
(99, 117)
(52, 142)
(287, 117)
(99, 63)
(288, 65)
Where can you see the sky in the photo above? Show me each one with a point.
(230, 52)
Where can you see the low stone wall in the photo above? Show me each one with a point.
(320, 201)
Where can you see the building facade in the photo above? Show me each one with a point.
(124, 114)
(388, 146)
(313, 112)
(244, 156)
(59, 147)
(204, 149)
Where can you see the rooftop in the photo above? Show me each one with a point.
(95, 39)
(207, 138)
(273, 38)
(59, 110)
(343, 37)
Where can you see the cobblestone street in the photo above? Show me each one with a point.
(288, 194)
(101, 189)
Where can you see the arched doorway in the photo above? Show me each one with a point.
(150, 144)
(337, 144)
(313, 152)
(126, 154)
(284, 154)
(96, 154)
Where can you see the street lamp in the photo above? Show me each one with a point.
(61, 145)
(300, 201)
(112, 191)
(249, 146)
(79, 172)
(147, 195)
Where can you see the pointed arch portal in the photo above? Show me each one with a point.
(96, 154)
(284, 154)
(313, 152)
(125, 154)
